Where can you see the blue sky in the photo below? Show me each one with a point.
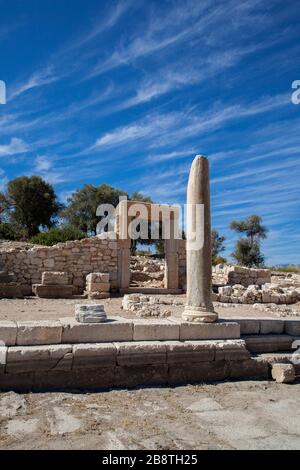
(127, 92)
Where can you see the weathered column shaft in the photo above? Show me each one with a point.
(199, 306)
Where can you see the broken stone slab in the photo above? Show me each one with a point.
(38, 332)
(53, 291)
(89, 313)
(283, 373)
(97, 277)
(141, 352)
(36, 358)
(94, 355)
(8, 333)
(117, 329)
(52, 278)
(155, 330)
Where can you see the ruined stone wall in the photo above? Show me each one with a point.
(78, 258)
(231, 275)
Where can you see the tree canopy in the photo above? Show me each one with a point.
(29, 203)
(248, 251)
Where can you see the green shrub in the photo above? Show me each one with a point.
(9, 232)
(57, 235)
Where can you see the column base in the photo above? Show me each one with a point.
(199, 315)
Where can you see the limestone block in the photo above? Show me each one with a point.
(90, 313)
(151, 330)
(94, 355)
(138, 352)
(3, 358)
(226, 290)
(283, 373)
(266, 296)
(99, 378)
(98, 286)
(38, 332)
(55, 278)
(219, 330)
(118, 329)
(249, 326)
(97, 277)
(190, 351)
(268, 343)
(53, 292)
(141, 375)
(249, 368)
(182, 373)
(292, 327)
(271, 326)
(8, 333)
(34, 358)
(49, 263)
(231, 350)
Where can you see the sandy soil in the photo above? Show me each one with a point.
(33, 308)
(236, 415)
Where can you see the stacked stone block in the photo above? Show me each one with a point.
(54, 286)
(97, 286)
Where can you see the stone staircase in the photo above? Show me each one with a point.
(64, 354)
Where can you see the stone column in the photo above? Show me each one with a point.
(199, 306)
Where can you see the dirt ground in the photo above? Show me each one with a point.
(235, 415)
(33, 308)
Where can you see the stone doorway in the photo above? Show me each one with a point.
(128, 211)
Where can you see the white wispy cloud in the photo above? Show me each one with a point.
(39, 78)
(14, 147)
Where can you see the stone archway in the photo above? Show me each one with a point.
(168, 215)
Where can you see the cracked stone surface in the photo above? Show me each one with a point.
(236, 415)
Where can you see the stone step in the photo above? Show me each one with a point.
(69, 331)
(126, 364)
(284, 357)
(266, 326)
(268, 343)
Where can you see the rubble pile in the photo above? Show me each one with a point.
(228, 275)
(268, 293)
(149, 306)
(147, 271)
